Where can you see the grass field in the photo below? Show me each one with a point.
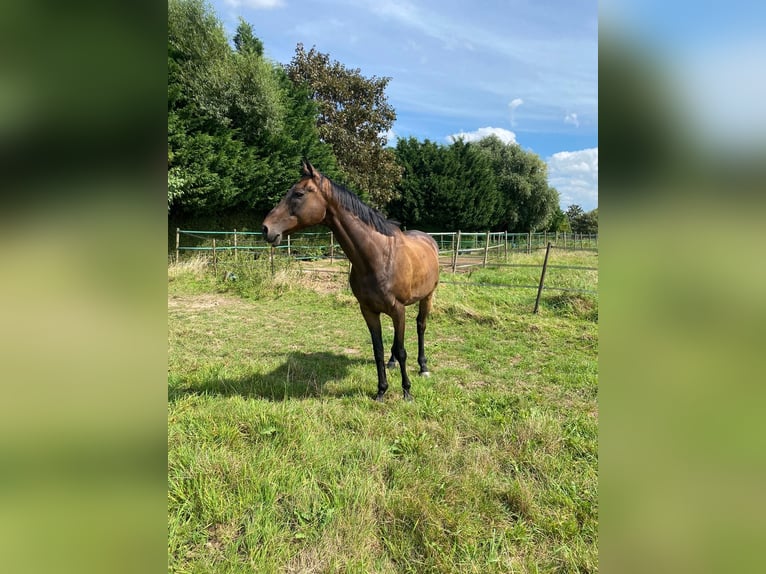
(279, 461)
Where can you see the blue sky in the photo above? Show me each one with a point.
(712, 63)
(526, 71)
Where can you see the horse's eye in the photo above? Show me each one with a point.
(299, 193)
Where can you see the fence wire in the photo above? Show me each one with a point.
(457, 250)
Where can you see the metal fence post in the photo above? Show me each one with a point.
(542, 278)
(178, 239)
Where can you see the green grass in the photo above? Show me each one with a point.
(279, 461)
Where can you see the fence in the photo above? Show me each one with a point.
(457, 250)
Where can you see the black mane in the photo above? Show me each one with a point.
(372, 217)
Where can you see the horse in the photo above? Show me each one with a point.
(390, 268)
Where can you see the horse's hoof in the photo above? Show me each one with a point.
(391, 364)
(379, 398)
(407, 396)
(425, 373)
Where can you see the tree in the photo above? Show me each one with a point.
(527, 201)
(574, 212)
(237, 126)
(354, 117)
(558, 220)
(202, 152)
(245, 41)
(581, 222)
(445, 187)
(413, 203)
(465, 194)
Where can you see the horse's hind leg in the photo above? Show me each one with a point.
(423, 312)
(392, 361)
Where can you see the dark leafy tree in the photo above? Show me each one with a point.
(237, 126)
(354, 117)
(465, 193)
(245, 41)
(582, 222)
(413, 205)
(445, 187)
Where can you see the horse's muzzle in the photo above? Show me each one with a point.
(271, 237)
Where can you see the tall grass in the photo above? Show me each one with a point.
(279, 461)
(240, 274)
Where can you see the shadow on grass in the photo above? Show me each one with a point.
(302, 375)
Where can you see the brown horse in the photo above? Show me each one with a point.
(390, 269)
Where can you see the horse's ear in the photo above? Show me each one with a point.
(308, 169)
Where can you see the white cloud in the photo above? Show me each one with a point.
(256, 4)
(515, 103)
(506, 136)
(575, 175)
(391, 137)
(572, 119)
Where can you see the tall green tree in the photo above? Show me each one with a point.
(245, 41)
(527, 201)
(237, 126)
(445, 187)
(354, 117)
(558, 220)
(464, 194)
(580, 221)
(204, 157)
(413, 204)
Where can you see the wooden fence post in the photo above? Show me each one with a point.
(235, 244)
(178, 238)
(332, 248)
(486, 251)
(455, 252)
(271, 259)
(529, 242)
(215, 261)
(505, 254)
(542, 278)
(289, 252)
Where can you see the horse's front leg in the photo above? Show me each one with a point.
(398, 316)
(373, 324)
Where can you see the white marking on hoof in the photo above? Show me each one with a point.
(425, 374)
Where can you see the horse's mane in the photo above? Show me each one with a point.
(372, 217)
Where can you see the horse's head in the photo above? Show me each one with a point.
(303, 206)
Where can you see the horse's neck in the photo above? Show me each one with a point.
(362, 244)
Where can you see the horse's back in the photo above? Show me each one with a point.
(420, 236)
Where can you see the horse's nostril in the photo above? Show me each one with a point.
(265, 231)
